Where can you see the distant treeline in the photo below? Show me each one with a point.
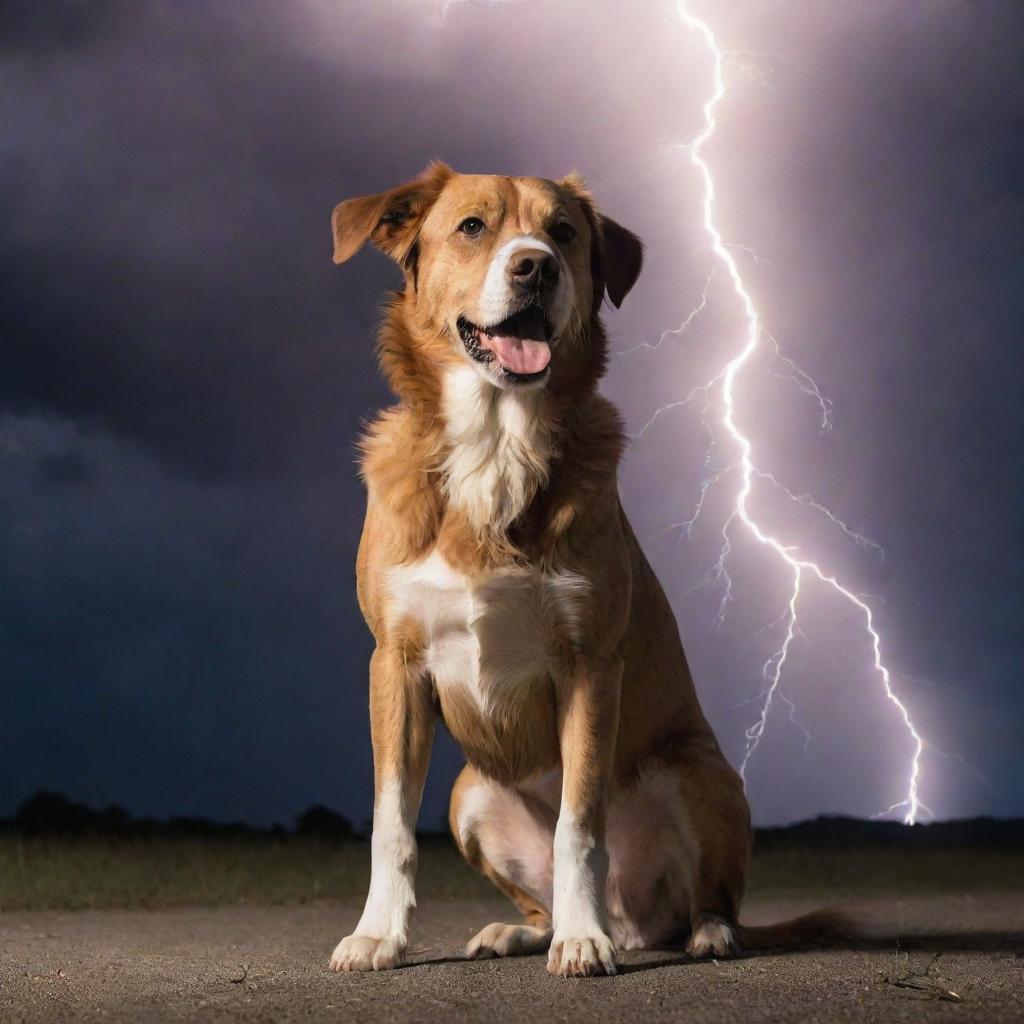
(1005, 833)
(53, 815)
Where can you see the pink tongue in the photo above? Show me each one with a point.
(520, 355)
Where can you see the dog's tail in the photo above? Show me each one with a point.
(829, 926)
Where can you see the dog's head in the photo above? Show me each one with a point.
(510, 271)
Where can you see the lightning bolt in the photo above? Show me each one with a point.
(801, 570)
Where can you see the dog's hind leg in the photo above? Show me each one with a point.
(722, 826)
(508, 838)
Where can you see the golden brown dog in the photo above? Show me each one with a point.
(507, 592)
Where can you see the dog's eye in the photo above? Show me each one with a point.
(471, 226)
(563, 232)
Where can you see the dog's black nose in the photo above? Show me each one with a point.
(533, 269)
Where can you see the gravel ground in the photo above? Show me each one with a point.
(957, 958)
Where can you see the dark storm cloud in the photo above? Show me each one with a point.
(167, 641)
(184, 370)
(66, 468)
(34, 28)
(161, 272)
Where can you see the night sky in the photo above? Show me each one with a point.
(184, 372)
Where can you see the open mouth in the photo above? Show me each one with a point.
(520, 344)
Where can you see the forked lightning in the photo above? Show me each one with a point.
(800, 569)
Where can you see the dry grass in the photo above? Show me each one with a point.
(76, 874)
(81, 873)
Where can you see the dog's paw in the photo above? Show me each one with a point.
(570, 957)
(712, 938)
(508, 940)
(366, 953)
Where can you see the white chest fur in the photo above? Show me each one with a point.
(499, 447)
(489, 636)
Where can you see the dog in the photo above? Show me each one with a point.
(507, 593)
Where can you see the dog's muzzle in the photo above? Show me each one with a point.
(520, 344)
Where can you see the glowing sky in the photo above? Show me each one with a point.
(184, 370)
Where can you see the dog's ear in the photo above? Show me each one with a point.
(391, 220)
(616, 254)
(622, 257)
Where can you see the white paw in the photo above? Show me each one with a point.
(508, 940)
(712, 938)
(572, 957)
(366, 953)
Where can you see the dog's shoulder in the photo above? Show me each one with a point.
(399, 456)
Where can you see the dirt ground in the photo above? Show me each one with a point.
(957, 958)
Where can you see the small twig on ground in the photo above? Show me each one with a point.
(931, 989)
(921, 980)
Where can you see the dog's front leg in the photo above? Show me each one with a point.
(588, 708)
(402, 729)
